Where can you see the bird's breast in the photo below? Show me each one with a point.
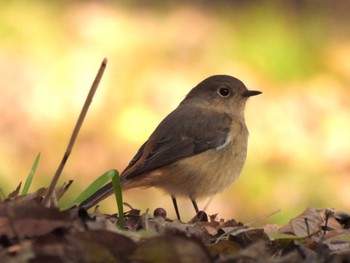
(211, 171)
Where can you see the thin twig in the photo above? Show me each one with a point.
(264, 217)
(306, 220)
(77, 127)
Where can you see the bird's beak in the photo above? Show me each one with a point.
(250, 93)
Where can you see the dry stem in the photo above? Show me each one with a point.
(74, 135)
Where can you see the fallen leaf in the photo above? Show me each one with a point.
(28, 218)
(307, 223)
(171, 249)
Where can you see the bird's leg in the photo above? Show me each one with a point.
(200, 216)
(175, 206)
(194, 204)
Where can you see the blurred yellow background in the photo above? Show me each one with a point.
(296, 52)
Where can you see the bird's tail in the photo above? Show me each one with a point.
(102, 194)
(98, 196)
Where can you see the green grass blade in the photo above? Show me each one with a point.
(93, 187)
(119, 198)
(31, 175)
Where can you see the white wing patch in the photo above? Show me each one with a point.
(227, 142)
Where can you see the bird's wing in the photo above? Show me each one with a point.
(181, 134)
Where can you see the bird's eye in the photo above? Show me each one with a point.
(224, 92)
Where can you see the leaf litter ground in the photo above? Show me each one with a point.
(31, 232)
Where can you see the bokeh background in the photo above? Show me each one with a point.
(296, 52)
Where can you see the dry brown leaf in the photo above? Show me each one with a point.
(88, 246)
(211, 227)
(117, 245)
(171, 249)
(250, 236)
(15, 193)
(28, 218)
(191, 230)
(224, 248)
(312, 221)
(17, 253)
(270, 228)
(307, 223)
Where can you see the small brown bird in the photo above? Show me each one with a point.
(198, 150)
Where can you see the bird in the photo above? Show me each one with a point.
(196, 151)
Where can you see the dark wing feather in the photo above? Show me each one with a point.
(136, 157)
(183, 133)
